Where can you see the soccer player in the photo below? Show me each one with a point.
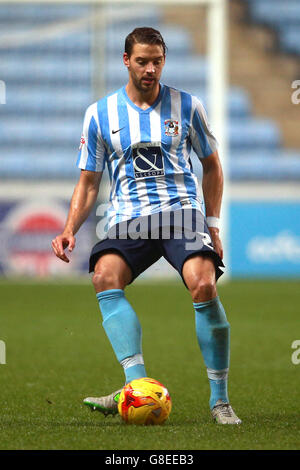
(144, 133)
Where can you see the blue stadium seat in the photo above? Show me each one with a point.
(30, 165)
(33, 12)
(42, 130)
(254, 134)
(263, 165)
(61, 44)
(40, 69)
(46, 99)
(193, 71)
(283, 17)
(289, 40)
(275, 13)
(135, 16)
(238, 101)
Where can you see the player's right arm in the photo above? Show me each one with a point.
(83, 199)
(91, 160)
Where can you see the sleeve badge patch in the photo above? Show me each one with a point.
(82, 142)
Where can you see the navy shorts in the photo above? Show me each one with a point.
(176, 236)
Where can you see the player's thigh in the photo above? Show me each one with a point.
(132, 258)
(199, 275)
(111, 271)
(196, 262)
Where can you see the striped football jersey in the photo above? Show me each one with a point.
(146, 152)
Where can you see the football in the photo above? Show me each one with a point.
(144, 401)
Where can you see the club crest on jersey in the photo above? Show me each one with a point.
(82, 142)
(171, 127)
(147, 160)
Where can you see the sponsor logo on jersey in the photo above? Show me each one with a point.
(171, 127)
(147, 160)
(117, 130)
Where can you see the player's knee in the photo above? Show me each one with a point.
(104, 280)
(204, 290)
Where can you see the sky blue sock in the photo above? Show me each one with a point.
(213, 334)
(123, 330)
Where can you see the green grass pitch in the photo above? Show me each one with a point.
(57, 353)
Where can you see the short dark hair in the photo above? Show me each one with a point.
(144, 35)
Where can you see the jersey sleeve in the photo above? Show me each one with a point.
(202, 138)
(91, 154)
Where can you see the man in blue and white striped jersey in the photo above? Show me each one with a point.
(144, 134)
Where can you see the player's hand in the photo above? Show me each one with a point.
(61, 242)
(216, 241)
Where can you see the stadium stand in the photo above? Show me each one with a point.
(50, 85)
(283, 17)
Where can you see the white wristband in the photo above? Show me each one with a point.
(213, 222)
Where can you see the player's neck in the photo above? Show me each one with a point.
(141, 99)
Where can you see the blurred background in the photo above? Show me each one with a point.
(56, 58)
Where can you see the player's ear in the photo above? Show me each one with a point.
(126, 59)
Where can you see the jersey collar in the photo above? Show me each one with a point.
(137, 108)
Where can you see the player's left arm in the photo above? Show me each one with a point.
(212, 186)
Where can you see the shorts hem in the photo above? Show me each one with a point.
(218, 263)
